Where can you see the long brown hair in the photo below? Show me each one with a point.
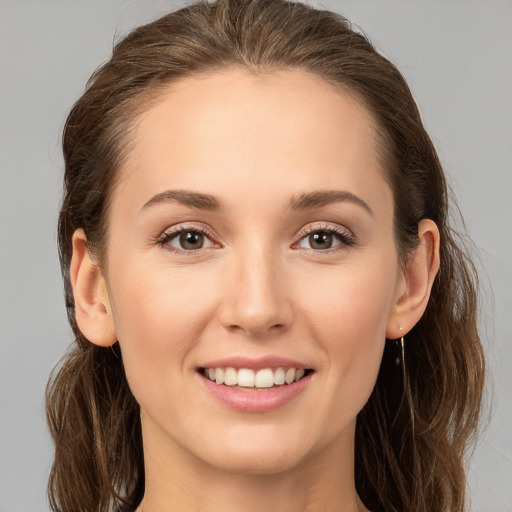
(413, 433)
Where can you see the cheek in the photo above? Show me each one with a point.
(350, 306)
(350, 322)
(157, 304)
(159, 317)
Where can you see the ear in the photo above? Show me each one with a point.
(92, 305)
(418, 276)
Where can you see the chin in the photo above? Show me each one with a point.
(257, 454)
(256, 462)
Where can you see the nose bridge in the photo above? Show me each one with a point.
(257, 301)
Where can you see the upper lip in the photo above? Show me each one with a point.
(255, 363)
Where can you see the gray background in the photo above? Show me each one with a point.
(457, 57)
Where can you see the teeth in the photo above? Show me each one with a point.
(290, 376)
(219, 375)
(247, 378)
(279, 377)
(230, 377)
(264, 378)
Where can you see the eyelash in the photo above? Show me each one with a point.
(164, 239)
(345, 238)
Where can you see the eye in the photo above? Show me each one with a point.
(185, 240)
(325, 239)
(188, 240)
(320, 240)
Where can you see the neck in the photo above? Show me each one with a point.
(177, 480)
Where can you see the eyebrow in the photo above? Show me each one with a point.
(305, 201)
(321, 198)
(186, 198)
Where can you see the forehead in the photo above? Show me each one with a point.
(287, 125)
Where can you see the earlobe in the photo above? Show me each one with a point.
(92, 305)
(419, 274)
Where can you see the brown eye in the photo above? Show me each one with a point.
(190, 240)
(320, 240)
(327, 238)
(185, 239)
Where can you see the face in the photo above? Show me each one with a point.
(252, 229)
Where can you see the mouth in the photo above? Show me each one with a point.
(257, 380)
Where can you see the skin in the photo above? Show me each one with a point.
(256, 287)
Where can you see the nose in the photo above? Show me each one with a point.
(254, 298)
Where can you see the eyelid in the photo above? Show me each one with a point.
(173, 231)
(347, 237)
(344, 234)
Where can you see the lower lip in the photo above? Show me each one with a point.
(253, 400)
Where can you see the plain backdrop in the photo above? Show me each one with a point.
(457, 57)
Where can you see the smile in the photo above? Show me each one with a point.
(257, 385)
(264, 378)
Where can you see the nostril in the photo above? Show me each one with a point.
(254, 310)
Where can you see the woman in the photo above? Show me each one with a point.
(270, 307)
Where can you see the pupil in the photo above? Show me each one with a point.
(321, 240)
(191, 240)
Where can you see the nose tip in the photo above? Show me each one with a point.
(256, 322)
(255, 302)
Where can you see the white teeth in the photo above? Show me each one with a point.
(219, 375)
(279, 377)
(248, 378)
(264, 378)
(290, 376)
(230, 377)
